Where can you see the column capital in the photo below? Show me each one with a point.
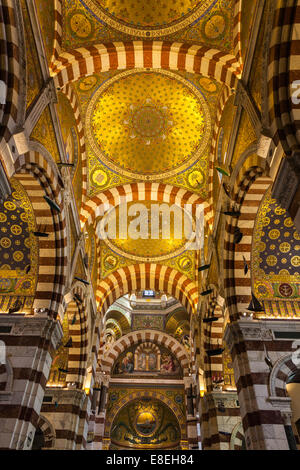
(43, 327)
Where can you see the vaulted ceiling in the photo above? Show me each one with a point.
(141, 88)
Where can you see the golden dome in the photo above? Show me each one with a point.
(148, 125)
(154, 17)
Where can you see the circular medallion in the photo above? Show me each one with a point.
(296, 261)
(18, 256)
(274, 234)
(296, 235)
(5, 242)
(266, 221)
(289, 222)
(285, 290)
(110, 262)
(87, 83)
(214, 27)
(148, 126)
(196, 179)
(280, 211)
(27, 242)
(146, 423)
(16, 229)
(10, 206)
(271, 260)
(3, 217)
(99, 177)
(285, 247)
(185, 263)
(208, 85)
(24, 217)
(149, 19)
(80, 25)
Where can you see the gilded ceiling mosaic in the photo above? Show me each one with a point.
(148, 126)
(168, 243)
(91, 21)
(117, 144)
(145, 424)
(18, 250)
(276, 253)
(111, 261)
(60, 359)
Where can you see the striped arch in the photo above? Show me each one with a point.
(78, 331)
(281, 371)
(145, 336)
(283, 71)
(58, 30)
(237, 26)
(34, 159)
(237, 286)
(72, 65)
(142, 192)
(237, 437)
(39, 179)
(71, 95)
(10, 68)
(148, 394)
(147, 276)
(48, 431)
(226, 93)
(212, 339)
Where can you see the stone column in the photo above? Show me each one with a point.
(101, 412)
(191, 406)
(220, 413)
(65, 409)
(255, 346)
(27, 344)
(283, 405)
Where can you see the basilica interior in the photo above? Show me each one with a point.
(120, 122)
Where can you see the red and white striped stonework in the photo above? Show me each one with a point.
(159, 192)
(248, 199)
(237, 27)
(48, 432)
(212, 339)
(147, 276)
(237, 437)
(29, 346)
(261, 384)
(10, 69)
(283, 72)
(142, 337)
(219, 415)
(69, 91)
(66, 411)
(74, 64)
(52, 250)
(78, 331)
